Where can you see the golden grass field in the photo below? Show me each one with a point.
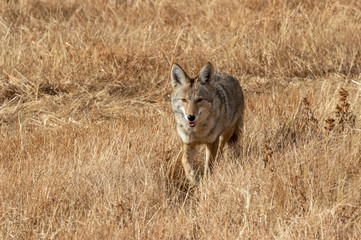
(88, 147)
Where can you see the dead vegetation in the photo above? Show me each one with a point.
(88, 144)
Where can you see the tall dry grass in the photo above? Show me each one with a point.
(88, 145)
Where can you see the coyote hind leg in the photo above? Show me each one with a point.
(231, 136)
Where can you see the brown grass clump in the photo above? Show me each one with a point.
(88, 145)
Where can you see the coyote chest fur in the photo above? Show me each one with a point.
(208, 109)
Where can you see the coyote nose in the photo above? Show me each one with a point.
(191, 117)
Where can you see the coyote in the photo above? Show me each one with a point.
(208, 109)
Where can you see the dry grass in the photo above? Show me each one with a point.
(88, 145)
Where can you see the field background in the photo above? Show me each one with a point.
(88, 148)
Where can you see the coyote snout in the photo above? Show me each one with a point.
(191, 117)
(208, 109)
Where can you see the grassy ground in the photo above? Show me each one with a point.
(88, 145)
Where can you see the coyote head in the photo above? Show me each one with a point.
(192, 97)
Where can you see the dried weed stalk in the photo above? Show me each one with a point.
(344, 117)
(308, 117)
(268, 152)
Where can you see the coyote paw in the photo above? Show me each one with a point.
(192, 179)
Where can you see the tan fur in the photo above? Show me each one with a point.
(215, 101)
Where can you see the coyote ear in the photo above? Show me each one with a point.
(206, 75)
(178, 76)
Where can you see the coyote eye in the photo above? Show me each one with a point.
(184, 100)
(199, 100)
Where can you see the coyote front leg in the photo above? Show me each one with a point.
(211, 154)
(189, 152)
